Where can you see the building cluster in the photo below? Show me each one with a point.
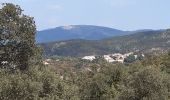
(111, 58)
(90, 58)
(116, 57)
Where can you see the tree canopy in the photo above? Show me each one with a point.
(17, 37)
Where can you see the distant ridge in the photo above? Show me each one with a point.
(86, 32)
(143, 41)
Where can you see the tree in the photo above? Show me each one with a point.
(17, 38)
(147, 84)
(130, 59)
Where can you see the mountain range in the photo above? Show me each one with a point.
(86, 32)
(145, 41)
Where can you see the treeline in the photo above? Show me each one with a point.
(24, 77)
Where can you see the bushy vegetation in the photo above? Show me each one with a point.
(27, 78)
(141, 80)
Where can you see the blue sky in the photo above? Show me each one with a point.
(119, 14)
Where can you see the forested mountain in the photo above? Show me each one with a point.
(146, 41)
(87, 32)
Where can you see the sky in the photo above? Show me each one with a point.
(119, 14)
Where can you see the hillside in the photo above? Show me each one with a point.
(87, 32)
(146, 41)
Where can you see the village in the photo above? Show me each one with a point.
(111, 58)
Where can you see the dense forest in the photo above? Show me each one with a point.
(23, 76)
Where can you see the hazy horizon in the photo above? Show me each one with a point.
(118, 14)
(99, 26)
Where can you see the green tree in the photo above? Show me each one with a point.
(17, 38)
(130, 59)
(147, 84)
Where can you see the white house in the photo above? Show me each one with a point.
(128, 54)
(136, 56)
(117, 57)
(91, 58)
(108, 58)
(45, 63)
